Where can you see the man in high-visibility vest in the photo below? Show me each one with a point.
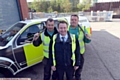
(64, 52)
(74, 28)
(45, 38)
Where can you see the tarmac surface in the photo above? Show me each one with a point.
(102, 56)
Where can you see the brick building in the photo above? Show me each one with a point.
(108, 6)
(24, 9)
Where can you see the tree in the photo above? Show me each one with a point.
(58, 5)
(80, 6)
(44, 6)
(50, 9)
(67, 7)
(84, 5)
(35, 5)
(54, 5)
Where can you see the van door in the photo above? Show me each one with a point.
(32, 54)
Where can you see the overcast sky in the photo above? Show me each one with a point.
(29, 0)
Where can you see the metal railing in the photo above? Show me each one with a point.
(92, 16)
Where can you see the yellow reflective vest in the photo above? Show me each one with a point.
(46, 41)
(80, 39)
(73, 48)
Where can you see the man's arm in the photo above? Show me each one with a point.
(86, 33)
(37, 42)
(77, 54)
(85, 30)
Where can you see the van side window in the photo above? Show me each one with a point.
(28, 34)
(56, 23)
(84, 20)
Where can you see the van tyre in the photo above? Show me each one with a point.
(5, 73)
(2, 75)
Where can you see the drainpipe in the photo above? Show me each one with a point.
(19, 10)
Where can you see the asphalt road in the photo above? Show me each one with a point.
(102, 56)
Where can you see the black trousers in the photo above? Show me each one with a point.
(47, 70)
(79, 70)
(65, 69)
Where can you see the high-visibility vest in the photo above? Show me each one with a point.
(73, 48)
(46, 41)
(80, 39)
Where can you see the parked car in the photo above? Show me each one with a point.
(16, 50)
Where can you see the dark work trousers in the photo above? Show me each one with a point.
(47, 70)
(65, 69)
(54, 75)
(79, 70)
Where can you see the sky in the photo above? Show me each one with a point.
(107, 0)
(29, 0)
(98, 0)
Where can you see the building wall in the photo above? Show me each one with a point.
(9, 13)
(24, 9)
(108, 6)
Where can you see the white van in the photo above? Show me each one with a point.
(16, 53)
(83, 21)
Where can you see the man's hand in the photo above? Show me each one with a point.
(76, 67)
(88, 36)
(53, 68)
(27, 41)
(36, 36)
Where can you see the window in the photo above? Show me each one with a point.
(11, 32)
(56, 23)
(28, 34)
(84, 20)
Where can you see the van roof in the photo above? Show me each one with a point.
(82, 20)
(37, 20)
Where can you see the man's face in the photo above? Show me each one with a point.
(62, 29)
(74, 21)
(50, 26)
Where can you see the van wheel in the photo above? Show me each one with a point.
(5, 73)
(2, 75)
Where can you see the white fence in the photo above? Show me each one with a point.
(100, 16)
(92, 16)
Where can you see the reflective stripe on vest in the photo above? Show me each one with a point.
(46, 41)
(81, 42)
(73, 49)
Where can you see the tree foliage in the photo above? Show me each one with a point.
(58, 5)
(84, 5)
(67, 6)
